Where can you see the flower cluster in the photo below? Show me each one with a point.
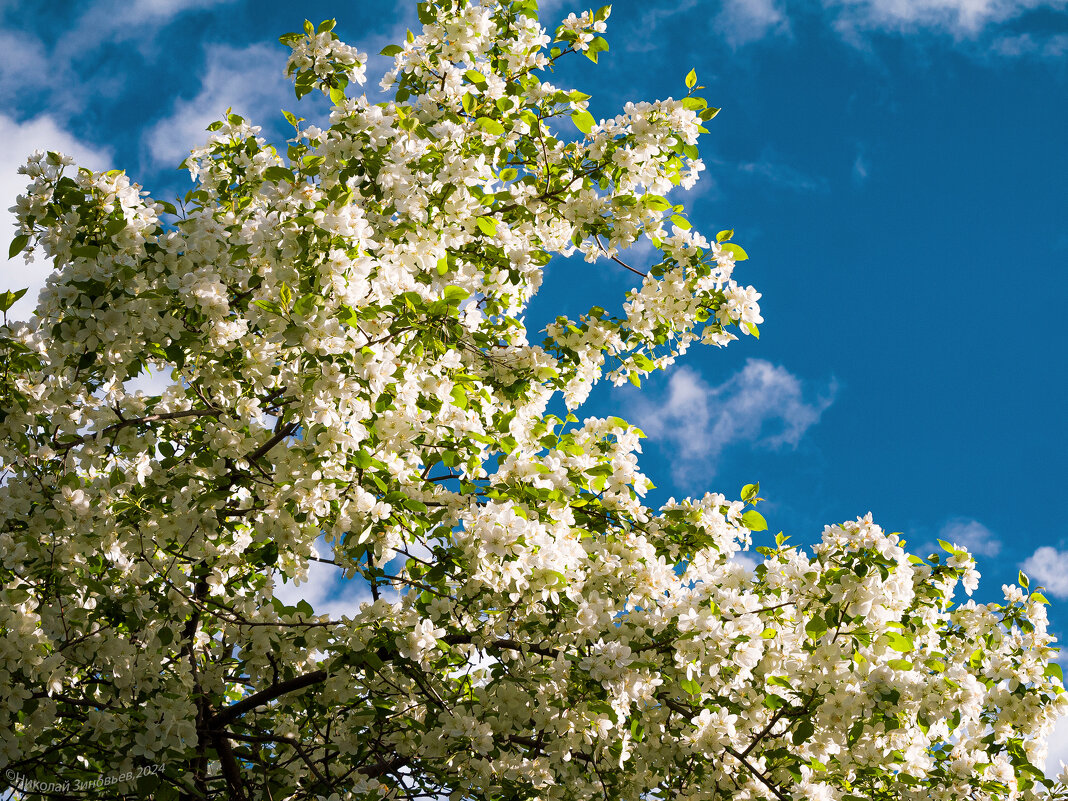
(344, 376)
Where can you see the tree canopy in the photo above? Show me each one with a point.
(351, 380)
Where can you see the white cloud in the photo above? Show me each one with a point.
(762, 404)
(157, 11)
(57, 72)
(860, 169)
(960, 18)
(972, 534)
(550, 12)
(250, 80)
(1057, 745)
(784, 175)
(327, 590)
(23, 63)
(20, 139)
(107, 21)
(748, 561)
(150, 382)
(651, 19)
(1025, 45)
(744, 21)
(1049, 567)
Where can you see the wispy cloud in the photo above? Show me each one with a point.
(1049, 567)
(57, 71)
(744, 21)
(762, 404)
(23, 64)
(550, 12)
(741, 22)
(109, 21)
(1026, 45)
(651, 19)
(958, 18)
(860, 169)
(972, 534)
(249, 79)
(783, 175)
(20, 139)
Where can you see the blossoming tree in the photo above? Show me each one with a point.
(342, 328)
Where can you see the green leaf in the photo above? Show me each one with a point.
(656, 202)
(391, 50)
(17, 244)
(286, 296)
(691, 686)
(754, 521)
(724, 236)
(772, 701)
(899, 642)
(1024, 581)
(598, 45)
(644, 362)
(9, 298)
(475, 76)
(305, 304)
(275, 174)
(326, 25)
(454, 294)
(487, 225)
(583, 120)
(804, 730)
(815, 627)
(691, 79)
(1040, 598)
(508, 174)
(681, 222)
(491, 126)
(736, 251)
(947, 547)
(1054, 670)
(900, 664)
(749, 491)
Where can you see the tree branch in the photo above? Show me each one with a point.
(152, 418)
(236, 710)
(752, 769)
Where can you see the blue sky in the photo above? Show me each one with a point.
(896, 170)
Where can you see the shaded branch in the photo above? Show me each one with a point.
(236, 710)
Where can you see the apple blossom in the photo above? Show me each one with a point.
(340, 324)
